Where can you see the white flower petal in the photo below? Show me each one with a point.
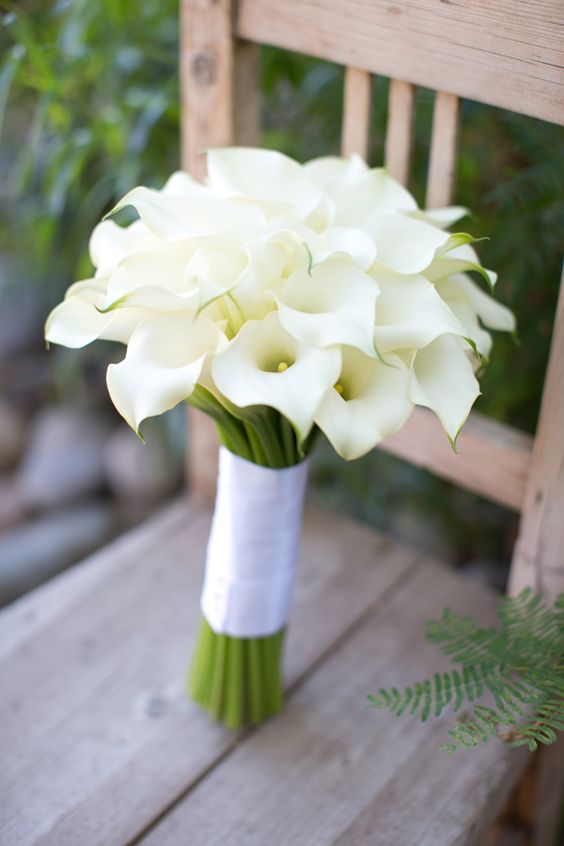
(110, 243)
(371, 194)
(263, 175)
(77, 322)
(164, 359)
(443, 218)
(215, 269)
(246, 372)
(403, 244)
(459, 260)
(339, 239)
(330, 170)
(494, 315)
(370, 402)
(410, 313)
(461, 306)
(335, 304)
(443, 380)
(173, 216)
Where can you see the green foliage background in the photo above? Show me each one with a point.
(89, 107)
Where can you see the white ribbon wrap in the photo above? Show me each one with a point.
(253, 546)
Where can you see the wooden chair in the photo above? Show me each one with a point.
(100, 743)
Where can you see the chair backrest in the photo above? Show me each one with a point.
(506, 54)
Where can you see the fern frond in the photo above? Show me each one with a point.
(520, 667)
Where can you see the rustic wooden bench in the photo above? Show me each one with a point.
(99, 742)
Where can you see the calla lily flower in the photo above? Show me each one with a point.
(263, 175)
(442, 379)
(371, 194)
(403, 244)
(333, 304)
(369, 401)
(265, 365)
(165, 356)
(410, 313)
(78, 320)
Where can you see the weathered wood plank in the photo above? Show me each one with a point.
(539, 558)
(332, 771)
(356, 112)
(444, 146)
(509, 53)
(97, 734)
(399, 130)
(493, 458)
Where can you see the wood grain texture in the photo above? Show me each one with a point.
(356, 112)
(441, 174)
(493, 458)
(538, 560)
(332, 771)
(399, 131)
(509, 53)
(98, 736)
(220, 106)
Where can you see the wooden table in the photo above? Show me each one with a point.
(101, 745)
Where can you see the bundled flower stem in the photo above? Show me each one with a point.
(239, 680)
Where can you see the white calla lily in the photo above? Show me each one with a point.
(327, 171)
(173, 216)
(78, 320)
(110, 243)
(461, 306)
(403, 244)
(370, 194)
(443, 380)
(369, 402)
(461, 259)
(263, 175)
(335, 303)
(163, 363)
(494, 315)
(410, 313)
(339, 239)
(215, 269)
(265, 365)
(443, 218)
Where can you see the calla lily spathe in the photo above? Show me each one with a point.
(319, 290)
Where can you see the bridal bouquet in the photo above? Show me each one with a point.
(282, 300)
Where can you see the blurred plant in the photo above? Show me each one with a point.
(92, 90)
(520, 666)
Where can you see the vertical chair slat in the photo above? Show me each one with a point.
(220, 106)
(399, 131)
(356, 113)
(444, 143)
(538, 560)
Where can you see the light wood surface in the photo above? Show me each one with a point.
(333, 771)
(441, 175)
(493, 458)
(508, 53)
(400, 129)
(100, 742)
(97, 734)
(539, 554)
(356, 112)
